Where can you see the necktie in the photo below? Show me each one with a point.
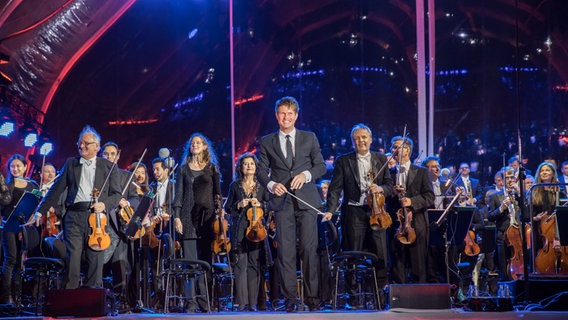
(289, 152)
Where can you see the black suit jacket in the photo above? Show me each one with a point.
(69, 180)
(418, 189)
(346, 179)
(475, 187)
(273, 167)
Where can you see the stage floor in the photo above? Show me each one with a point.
(414, 314)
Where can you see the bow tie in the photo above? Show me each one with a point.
(86, 162)
(365, 157)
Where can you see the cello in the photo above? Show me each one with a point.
(221, 243)
(99, 239)
(552, 258)
(516, 264)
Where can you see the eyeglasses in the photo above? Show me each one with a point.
(86, 144)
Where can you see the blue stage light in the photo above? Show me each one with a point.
(6, 128)
(46, 148)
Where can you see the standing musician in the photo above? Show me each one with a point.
(504, 210)
(157, 226)
(80, 177)
(290, 163)
(17, 185)
(470, 185)
(117, 253)
(51, 221)
(198, 184)
(355, 175)
(245, 204)
(414, 191)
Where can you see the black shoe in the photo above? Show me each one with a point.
(291, 308)
(313, 307)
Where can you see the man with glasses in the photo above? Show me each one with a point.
(469, 185)
(80, 177)
(414, 191)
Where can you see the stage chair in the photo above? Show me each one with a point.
(363, 265)
(184, 269)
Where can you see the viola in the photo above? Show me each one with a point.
(50, 228)
(471, 247)
(405, 233)
(221, 243)
(256, 231)
(379, 219)
(99, 239)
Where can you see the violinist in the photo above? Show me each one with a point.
(198, 183)
(500, 205)
(351, 176)
(17, 184)
(116, 256)
(51, 221)
(80, 176)
(245, 204)
(413, 191)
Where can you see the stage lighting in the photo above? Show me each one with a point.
(46, 147)
(30, 137)
(7, 125)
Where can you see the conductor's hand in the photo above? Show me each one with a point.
(279, 189)
(327, 216)
(298, 181)
(178, 225)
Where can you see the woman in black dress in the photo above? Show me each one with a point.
(245, 193)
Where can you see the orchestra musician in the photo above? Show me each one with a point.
(417, 196)
(357, 176)
(17, 185)
(116, 256)
(80, 176)
(500, 214)
(246, 197)
(469, 184)
(290, 162)
(198, 184)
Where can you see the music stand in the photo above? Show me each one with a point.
(458, 224)
(22, 212)
(141, 212)
(562, 221)
(436, 237)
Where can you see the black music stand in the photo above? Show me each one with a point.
(562, 221)
(436, 233)
(25, 207)
(141, 212)
(459, 222)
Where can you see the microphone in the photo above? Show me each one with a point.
(164, 153)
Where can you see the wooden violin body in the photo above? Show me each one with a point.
(256, 231)
(471, 247)
(99, 239)
(379, 219)
(221, 243)
(405, 233)
(50, 229)
(125, 215)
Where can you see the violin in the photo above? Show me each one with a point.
(379, 218)
(256, 231)
(99, 239)
(405, 233)
(125, 215)
(272, 229)
(50, 229)
(149, 238)
(471, 247)
(221, 243)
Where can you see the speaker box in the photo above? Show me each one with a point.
(77, 303)
(420, 296)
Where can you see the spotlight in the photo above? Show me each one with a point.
(30, 137)
(46, 147)
(7, 125)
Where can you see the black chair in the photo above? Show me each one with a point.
(183, 270)
(222, 276)
(362, 264)
(45, 270)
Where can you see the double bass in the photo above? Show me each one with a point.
(221, 244)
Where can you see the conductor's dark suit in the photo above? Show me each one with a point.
(419, 190)
(76, 221)
(290, 213)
